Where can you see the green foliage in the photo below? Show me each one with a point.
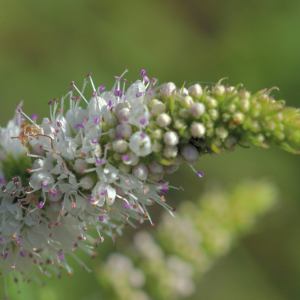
(12, 167)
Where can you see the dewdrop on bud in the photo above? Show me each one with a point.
(124, 130)
(156, 167)
(190, 153)
(219, 90)
(168, 89)
(170, 151)
(171, 138)
(140, 172)
(86, 183)
(196, 90)
(164, 120)
(159, 107)
(245, 105)
(187, 101)
(119, 146)
(238, 117)
(197, 109)
(157, 134)
(221, 132)
(198, 130)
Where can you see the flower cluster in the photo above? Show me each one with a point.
(169, 266)
(100, 166)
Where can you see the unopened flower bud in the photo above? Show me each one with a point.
(210, 124)
(140, 171)
(212, 103)
(260, 138)
(124, 168)
(221, 132)
(170, 151)
(230, 89)
(123, 114)
(121, 106)
(112, 122)
(245, 105)
(179, 123)
(80, 165)
(113, 132)
(232, 108)
(214, 114)
(156, 167)
(198, 130)
(168, 89)
(157, 134)
(210, 133)
(124, 130)
(187, 101)
(133, 158)
(238, 117)
(155, 176)
(159, 107)
(196, 90)
(156, 147)
(120, 146)
(246, 95)
(225, 117)
(117, 156)
(219, 90)
(230, 142)
(164, 120)
(170, 169)
(187, 134)
(184, 113)
(190, 153)
(171, 138)
(197, 109)
(86, 183)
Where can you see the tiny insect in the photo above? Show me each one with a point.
(32, 131)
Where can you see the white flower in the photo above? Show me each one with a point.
(135, 93)
(139, 116)
(140, 143)
(100, 166)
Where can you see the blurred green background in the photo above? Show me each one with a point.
(46, 44)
